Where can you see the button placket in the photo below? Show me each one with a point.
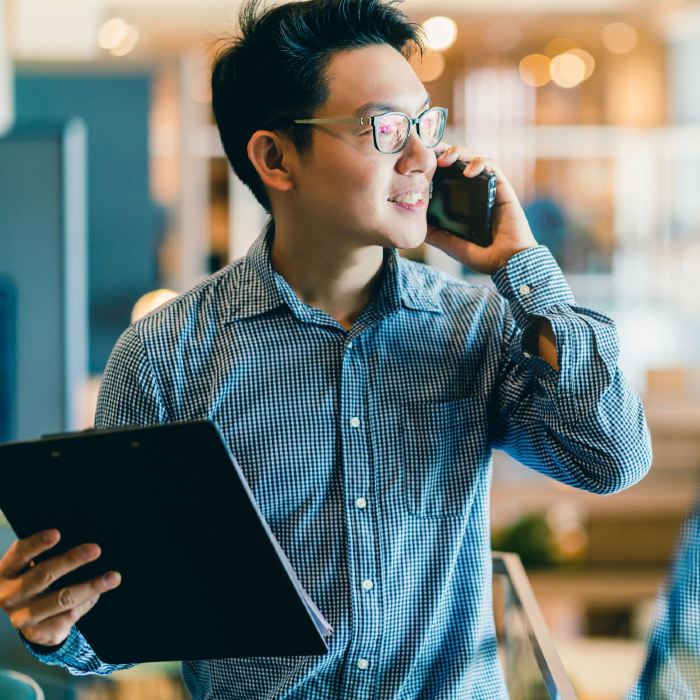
(357, 461)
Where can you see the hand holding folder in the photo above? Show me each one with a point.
(202, 574)
(43, 616)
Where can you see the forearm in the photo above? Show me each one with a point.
(603, 451)
(546, 343)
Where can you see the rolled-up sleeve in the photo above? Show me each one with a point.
(582, 425)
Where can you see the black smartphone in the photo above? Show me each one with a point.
(463, 205)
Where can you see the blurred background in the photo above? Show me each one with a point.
(115, 194)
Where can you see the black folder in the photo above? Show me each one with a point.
(203, 576)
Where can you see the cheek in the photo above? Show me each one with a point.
(358, 186)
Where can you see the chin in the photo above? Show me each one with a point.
(407, 237)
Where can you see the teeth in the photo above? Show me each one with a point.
(409, 197)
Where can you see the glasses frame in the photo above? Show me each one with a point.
(361, 121)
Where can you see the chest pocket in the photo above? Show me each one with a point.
(446, 449)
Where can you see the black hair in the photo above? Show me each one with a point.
(275, 70)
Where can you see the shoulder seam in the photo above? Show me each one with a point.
(151, 368)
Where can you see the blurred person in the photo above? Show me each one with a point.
(362, 393)
(672, 667)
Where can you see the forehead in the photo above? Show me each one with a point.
(372, 74)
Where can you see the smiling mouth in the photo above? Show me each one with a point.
(408, 197)
(418, 205)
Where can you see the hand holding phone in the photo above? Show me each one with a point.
(461, 205)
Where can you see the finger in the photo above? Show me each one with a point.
(441, 148)
(21, 552)
(454, 153)
(71, 598)
(55, 630)
(475, 167)
(504, 190)
(448, 157)
(52, 633)
(40, 577)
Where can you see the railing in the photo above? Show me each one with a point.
(532, 667)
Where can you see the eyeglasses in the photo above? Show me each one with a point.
(392, 129)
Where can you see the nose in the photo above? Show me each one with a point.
(415, 156)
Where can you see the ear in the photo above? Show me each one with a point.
(270, 155)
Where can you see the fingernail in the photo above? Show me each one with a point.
(91, 550)
(112, 578)
(49, 535)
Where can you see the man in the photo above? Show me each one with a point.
(363, 393)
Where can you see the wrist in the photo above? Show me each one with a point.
(506, 258)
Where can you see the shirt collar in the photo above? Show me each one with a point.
(260, 289)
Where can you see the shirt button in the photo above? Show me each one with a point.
(367, 584)
(361, 502)
(527, 355)
(349, 345)
(524, 289)
(362, 664)
(355, 422)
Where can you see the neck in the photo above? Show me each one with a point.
(338, 279)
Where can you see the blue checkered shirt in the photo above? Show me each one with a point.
(672, 667)
(369, 453)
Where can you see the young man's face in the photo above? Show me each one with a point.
(347, 185)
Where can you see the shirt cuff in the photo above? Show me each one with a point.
(53, 656)
(533, 284)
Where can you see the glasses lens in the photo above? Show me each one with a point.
(391, 130)
(431, 126)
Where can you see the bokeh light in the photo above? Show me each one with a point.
(118, 37)
(619, 37)
(112, 33)
(150, 302)
(559, 45)
(587, 59)
(567, 70)
(534, 70)
(431, 67)
(440, 32)
(129, 43)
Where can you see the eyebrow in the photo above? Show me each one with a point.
(368, 107)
